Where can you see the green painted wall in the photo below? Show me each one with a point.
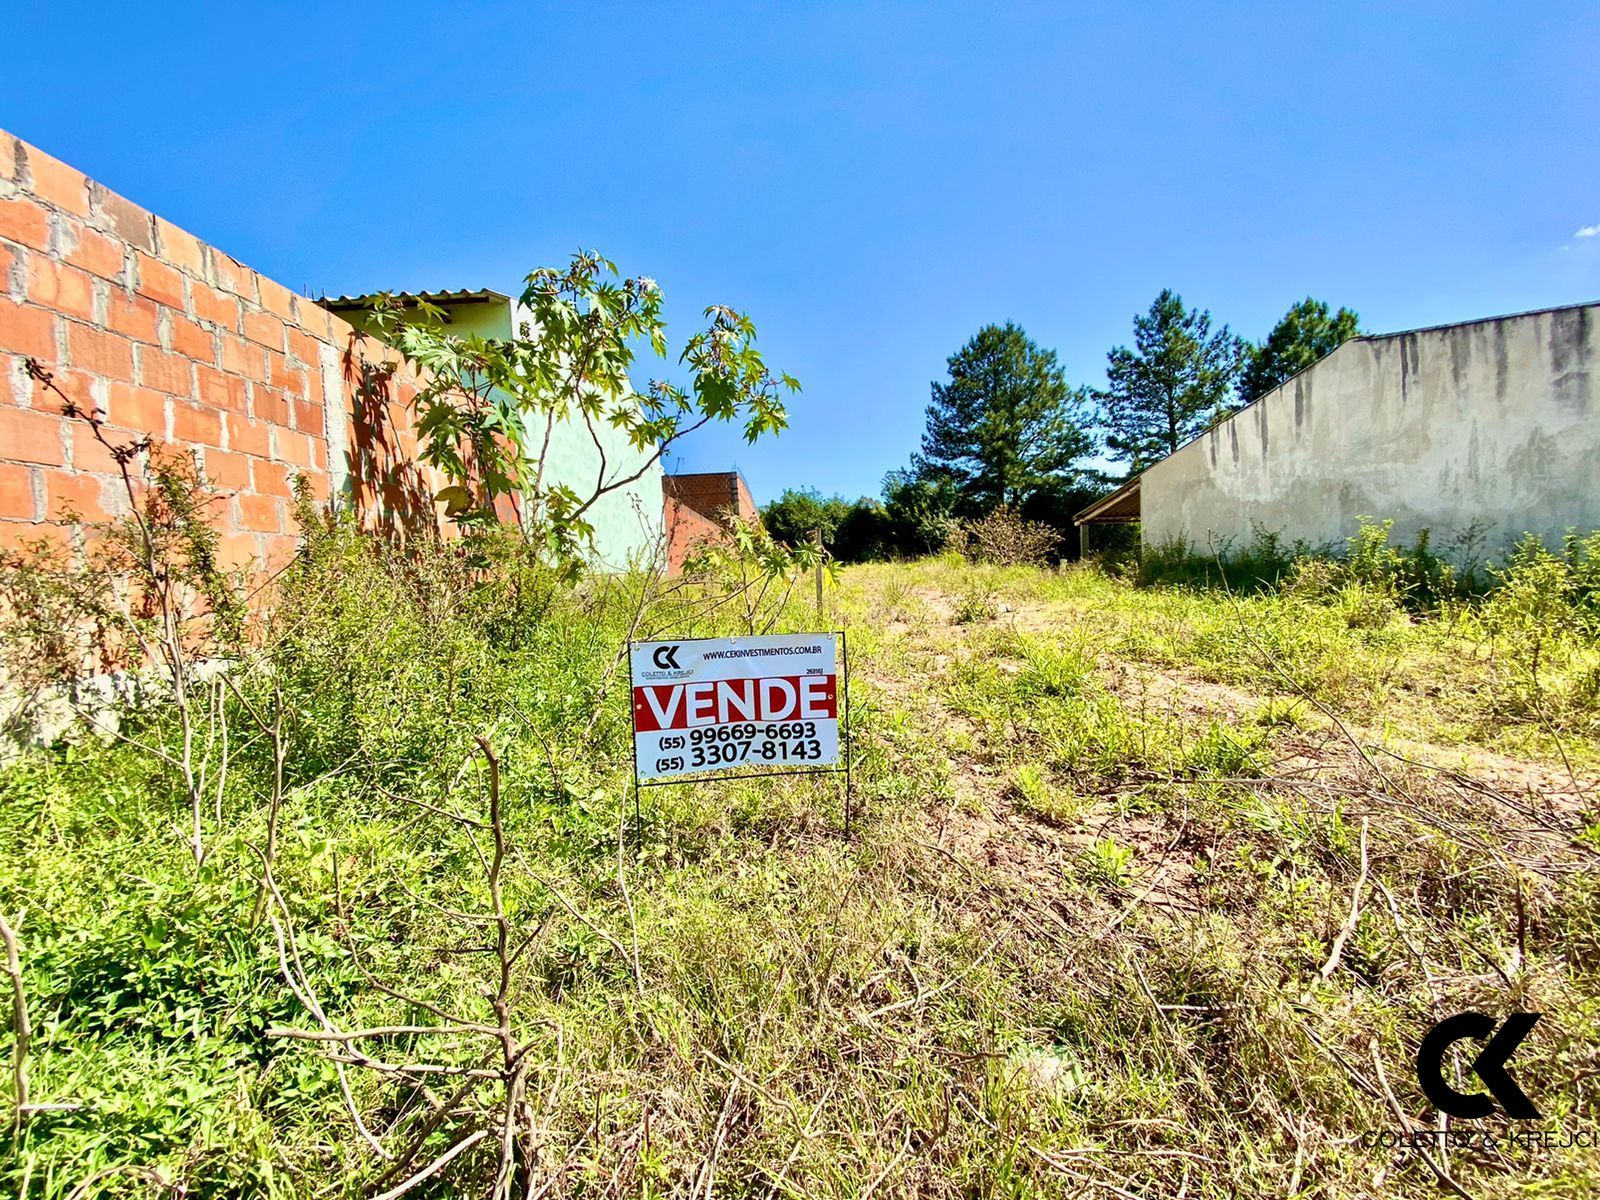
(627, 523)
(485, 320)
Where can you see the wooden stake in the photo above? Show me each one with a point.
(816, 539)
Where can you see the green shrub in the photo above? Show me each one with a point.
(920, 514)
(1110, 861)
(1543, 615)
(1264, 563)
(1540, 592)
(800, 512)
(976, 603)
(1003, 539)
(1415, 578)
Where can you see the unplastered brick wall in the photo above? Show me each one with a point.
(165, 336)
(694, 507)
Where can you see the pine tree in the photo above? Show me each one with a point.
(1171, 386)
(1005, 423)
(1306, 333)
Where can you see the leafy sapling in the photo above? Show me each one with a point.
(488, 408)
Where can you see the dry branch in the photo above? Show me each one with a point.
(22, 1030)
(1349, 927)
(433, 1168)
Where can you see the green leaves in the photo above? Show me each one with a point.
(749, 551)
(455, 498)
(731, 378)
(1307, 332)
(1171, 386)
(1005, 423)
(488, 407)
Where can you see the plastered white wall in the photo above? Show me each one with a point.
(1494, 421)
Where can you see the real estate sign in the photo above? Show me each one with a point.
(714, 704)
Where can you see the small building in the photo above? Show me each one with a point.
(1490, 424)
(628, 523)
(695, 505)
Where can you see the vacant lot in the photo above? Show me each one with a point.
(1154, 893)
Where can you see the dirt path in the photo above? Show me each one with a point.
(982, 825)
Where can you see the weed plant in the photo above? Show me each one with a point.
(1092, 936)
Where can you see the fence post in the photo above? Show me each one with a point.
(816, 540)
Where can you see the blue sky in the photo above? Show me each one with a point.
(870, 182)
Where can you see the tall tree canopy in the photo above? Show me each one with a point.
(852, 531)
(1173, 383)
(1307, 332)
(918, 512)
(1005, 423)
(793, 516)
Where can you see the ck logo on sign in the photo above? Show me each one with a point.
(704, 705)
(1489, 1066)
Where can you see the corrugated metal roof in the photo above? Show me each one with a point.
(464, 296)
(1121, 507)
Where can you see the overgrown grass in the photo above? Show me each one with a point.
(1080, 944)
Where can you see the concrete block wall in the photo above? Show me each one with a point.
(164, 335)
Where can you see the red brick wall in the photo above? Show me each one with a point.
(166, 336)
(694, 505)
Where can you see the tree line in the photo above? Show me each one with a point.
(1006, 430)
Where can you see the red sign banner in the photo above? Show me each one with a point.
(734, 701)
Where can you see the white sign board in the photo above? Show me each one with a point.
(713, 704)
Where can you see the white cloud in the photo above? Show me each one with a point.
(1588, 231)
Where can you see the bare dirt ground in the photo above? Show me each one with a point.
(1325, 757)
